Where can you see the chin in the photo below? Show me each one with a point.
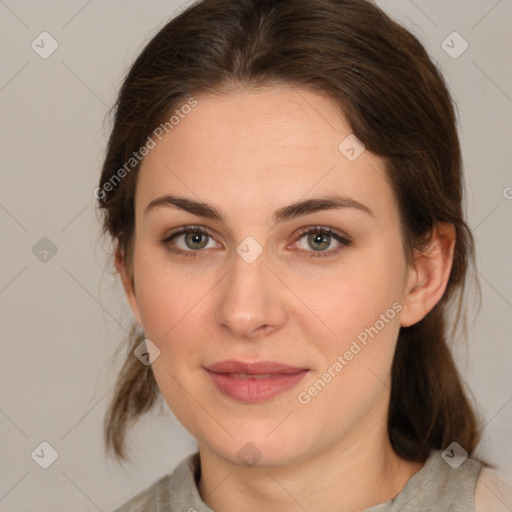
(262, 448)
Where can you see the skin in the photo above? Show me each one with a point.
(250, 152)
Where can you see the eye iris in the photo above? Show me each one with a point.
(319, 238)
(194, 237)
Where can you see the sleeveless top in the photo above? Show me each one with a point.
(436, 487)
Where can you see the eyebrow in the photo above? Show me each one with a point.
(283, 214)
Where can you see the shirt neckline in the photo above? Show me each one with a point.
(189, 471)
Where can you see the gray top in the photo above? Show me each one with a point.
(435, 487)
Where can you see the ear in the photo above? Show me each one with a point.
(429, 274)
(126, 278)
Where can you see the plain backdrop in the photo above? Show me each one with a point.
(62, 311)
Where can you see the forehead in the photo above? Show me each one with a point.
(256, 149)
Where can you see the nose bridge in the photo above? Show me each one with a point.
(250, 298)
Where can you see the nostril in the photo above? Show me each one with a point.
(262, 329)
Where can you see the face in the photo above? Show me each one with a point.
(319, 289)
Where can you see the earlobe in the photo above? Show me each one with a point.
(126, 279)
(429, 275)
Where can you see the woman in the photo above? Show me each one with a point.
(283, 186)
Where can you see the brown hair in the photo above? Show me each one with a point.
(396, 103)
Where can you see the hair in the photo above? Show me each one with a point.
(396, 103)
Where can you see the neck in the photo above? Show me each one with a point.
(350, 476)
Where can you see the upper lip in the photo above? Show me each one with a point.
(257, 368)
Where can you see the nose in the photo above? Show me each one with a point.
(252, 299)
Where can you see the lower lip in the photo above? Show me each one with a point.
(255, 390)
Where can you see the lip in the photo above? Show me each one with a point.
(263, 379)
(257, 368)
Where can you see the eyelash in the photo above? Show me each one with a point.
(344, 242)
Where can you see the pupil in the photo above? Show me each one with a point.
(321, 238)
(194, 238)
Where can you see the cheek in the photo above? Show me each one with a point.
(168, 295)
(173, 313)
(352, 377)
(343, 301)
(176, 315)
(357, 332)
(355, 326)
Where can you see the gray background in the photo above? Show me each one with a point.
(63, 318)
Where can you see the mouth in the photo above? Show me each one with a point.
(249, 375)
(254, 382)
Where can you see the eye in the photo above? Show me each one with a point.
(191, 240)
(320, 238)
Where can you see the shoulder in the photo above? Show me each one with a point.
(447, 482)
(493, 491)
(146, 500)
